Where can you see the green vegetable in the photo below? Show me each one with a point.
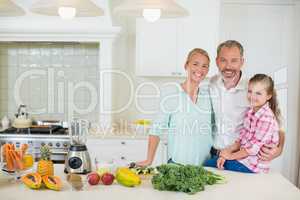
(143, 170)
(184, 178)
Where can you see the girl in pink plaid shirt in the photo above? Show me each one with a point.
(260, 127)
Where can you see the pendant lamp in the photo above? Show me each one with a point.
(151, 10)
(10, 9)
(67, 9)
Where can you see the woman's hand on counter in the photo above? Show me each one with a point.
(144, 163)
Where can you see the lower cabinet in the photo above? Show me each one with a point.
(124, 151)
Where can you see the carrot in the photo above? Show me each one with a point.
(12, 147)
(19, 154)
(17, 160)
(9, 158)
(24, 148)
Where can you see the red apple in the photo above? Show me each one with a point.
(93, 178)
(107, 178)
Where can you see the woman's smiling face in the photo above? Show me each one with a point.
(197, 67)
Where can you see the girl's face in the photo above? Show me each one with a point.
(197, 67)
(257, 95)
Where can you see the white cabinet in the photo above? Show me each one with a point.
(162, 47)
(156, 45)
(124, 150)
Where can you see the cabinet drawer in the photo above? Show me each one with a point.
(124, 151)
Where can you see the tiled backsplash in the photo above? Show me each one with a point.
(55, 80)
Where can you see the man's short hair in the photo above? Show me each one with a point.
(230, 44)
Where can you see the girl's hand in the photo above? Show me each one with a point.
(220, 162)
(225, 153)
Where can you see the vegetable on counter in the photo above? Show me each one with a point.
(127, 178)
(16, 158)
(184, 178)
(142, 170)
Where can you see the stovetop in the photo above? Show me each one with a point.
(51, 130)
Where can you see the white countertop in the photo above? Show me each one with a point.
(271, 186)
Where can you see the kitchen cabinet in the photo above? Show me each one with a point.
(156, 45)
(162, 46)
(124, 150)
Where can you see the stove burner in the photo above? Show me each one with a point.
(51, 130)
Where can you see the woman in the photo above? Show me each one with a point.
(186, 117)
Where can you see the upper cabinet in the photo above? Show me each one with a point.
(162, 47)
(156, 48)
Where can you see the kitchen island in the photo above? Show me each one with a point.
(272, 186)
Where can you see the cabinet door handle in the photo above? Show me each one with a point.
(179, 73)
(123, 143)
(123, 158)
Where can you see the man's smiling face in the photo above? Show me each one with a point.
(230, 62)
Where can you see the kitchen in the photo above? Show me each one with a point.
(52, 56)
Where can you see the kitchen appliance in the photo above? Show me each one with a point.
(55, 136)
(78, 159)
(22, 119)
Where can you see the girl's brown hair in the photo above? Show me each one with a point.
(273, 102)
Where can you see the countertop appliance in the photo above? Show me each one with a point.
(78, 159)
(55, 136)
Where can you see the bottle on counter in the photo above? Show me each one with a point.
(5, 122)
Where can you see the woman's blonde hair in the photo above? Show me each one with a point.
(195, 51)
(269, 83)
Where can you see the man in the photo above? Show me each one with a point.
(229, 99)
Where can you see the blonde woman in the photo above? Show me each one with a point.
(186, 117)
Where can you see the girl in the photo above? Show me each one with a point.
(260, 127)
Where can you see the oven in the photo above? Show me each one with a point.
(57, 139)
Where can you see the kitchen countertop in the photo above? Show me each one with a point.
(271, 186)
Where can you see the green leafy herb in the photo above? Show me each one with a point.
(184, 178)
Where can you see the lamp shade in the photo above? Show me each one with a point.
(10, 9)
(135, 8)
(84, 8)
